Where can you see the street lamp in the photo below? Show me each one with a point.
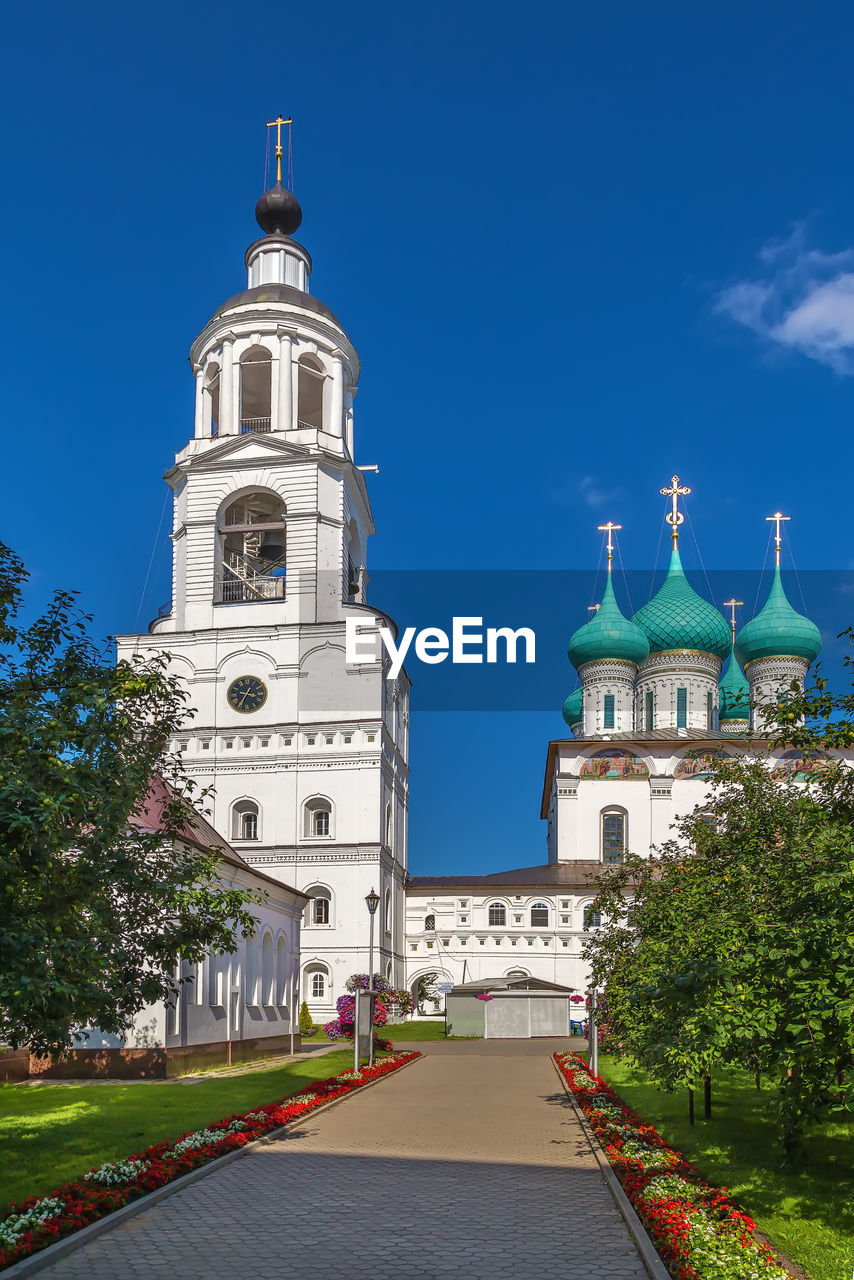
(373, 901)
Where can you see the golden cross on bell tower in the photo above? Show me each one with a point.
(732, 604)
(778, 519)
(609, 528)
(278, 122)
(675, 517)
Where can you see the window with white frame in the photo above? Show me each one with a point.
(319, 909)
(592, 918)
(497, 913)
(540, 915)
(316, 982)
(317, 823)
(613, 835)
(245, 820)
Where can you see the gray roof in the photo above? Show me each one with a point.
(510, 984)
(553, 874)
(278, 293)
(664, 735)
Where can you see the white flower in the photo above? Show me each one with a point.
(17, 1224)
(113, 1174)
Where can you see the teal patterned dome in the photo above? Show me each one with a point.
(677, 618)
(778, 630)
(608, 635)
(733, 694)
(573, 708)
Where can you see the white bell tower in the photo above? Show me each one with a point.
(307, 755)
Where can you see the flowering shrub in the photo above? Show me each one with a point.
(483, 995)
(698, 1232)
(390, 1000)
(33, 1224)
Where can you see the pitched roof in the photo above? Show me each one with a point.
(510, 984)
(196, 830)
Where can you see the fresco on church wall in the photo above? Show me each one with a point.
(614, 763)
(699, 764)
(797, 766)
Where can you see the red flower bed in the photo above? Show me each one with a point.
(39, 1221)
(698, 1231)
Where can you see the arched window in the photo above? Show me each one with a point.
(211, 393)
(310, 393)
(267, 974)
(252, 549)
(245, 820)
(613, 835)
(388, 825)
(316, 983)
(592, 919)
(517, 973)
(318, 818)
(319, 910)
(540, 915)
(256, 387)
(497, 913)
(388, 972)
(430, 924)
(388, 910)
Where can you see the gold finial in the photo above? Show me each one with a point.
(778, 519)
(675, 517)
(609, 528)
(732, 604)
(278, 122)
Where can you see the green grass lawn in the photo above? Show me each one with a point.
(808, 1212)
(52, 1134)
(398, 1032)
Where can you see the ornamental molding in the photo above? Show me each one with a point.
(661, 787)
(778, 667)
(607, 669)
(673, 661)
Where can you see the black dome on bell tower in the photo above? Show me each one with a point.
(278, 211)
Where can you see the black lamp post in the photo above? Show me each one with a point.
(373, 901)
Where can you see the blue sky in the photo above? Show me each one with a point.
(577, 247)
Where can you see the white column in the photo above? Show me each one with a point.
(284, 402)
(200, 405)
(336, 408)
(226, 389)
(348, 423)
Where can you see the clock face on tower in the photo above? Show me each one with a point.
(247, 693)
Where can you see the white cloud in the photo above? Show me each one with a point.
(594, 495)
(802, 300)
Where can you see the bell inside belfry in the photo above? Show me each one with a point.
(272, 547)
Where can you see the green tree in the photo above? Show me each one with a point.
(735, 946)
(97, 910)
(306, 1022)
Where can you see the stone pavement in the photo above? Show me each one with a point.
(469, 1164)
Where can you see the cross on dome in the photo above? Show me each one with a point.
(675, 517)
(778, 519)
(609, 528)
(732, 605)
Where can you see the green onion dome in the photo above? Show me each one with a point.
(677, 618)
(778, 631)
(573, 708)
(733, 694)
(608, 635)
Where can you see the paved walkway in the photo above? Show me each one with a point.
(468, 1164)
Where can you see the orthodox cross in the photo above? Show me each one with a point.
(278, 122)
(778, 519)
(732, 604)
(675, 517)
(609, 528)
